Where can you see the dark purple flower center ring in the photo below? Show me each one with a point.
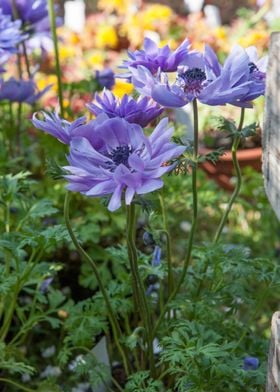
(255, 73)
(120, 155)
(191, 81)
(252, 67)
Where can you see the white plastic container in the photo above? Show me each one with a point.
(75, 15)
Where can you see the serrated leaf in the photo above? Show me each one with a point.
(42, 209)
(248, 131)
(56, 298)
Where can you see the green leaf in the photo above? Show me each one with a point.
(56, 298)
(249, 131)
(41, 209)
(141, 381)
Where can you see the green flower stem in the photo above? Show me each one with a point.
(56, 52)
(7, 217)
(17, 385)
(9, 313)
(20, 74)
(19, 111)
(135, 351)
(193, 225)
(168, 245)
(236, 166)
(138, 287)
(10, 310)
(27, 64)
(11, 130)
(117, 333)
(257, 308)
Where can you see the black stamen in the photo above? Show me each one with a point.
(252, 67)
(194, 74)
(120, 155)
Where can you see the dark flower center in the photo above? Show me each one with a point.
(120, 155)
(194, 74)
(191, 80)
(252, 67)
(255, 73)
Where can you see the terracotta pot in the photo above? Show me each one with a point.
(223, 170)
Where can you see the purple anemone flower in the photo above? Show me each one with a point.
(29, 11)
(154, 58)
(110, 156)
(105, 78)
(26, 91)
(201, 77)
(141, 111)
(61, 129)
(257, 75)
(10, 34)
(34, 17)
(115, 157)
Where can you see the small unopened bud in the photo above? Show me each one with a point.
(148, 238)
(156, 256)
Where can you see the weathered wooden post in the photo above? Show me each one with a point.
(271, 170)
(273, 367)
(271, 134)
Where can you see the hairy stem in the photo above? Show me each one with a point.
(27, 64)
(56, 53)
(168, 245)
(17, 385)
(194, 221)
(9, 314)
(117, 333)
(236, 166)
(138, 286)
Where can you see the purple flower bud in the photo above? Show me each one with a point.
(148, 238)
(250, 363)
(45, 285)
(105, 78)
(152, 288)
(21, 91)
(156, 256)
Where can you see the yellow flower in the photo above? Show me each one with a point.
(106, 36)
(220, 33)
(257, 38)
(170, 42)
(156, 14)
(121, 88)
(154, 17)
(96, 59)
(45, 80)
(66, 52)
(74, 38)
(121, 7)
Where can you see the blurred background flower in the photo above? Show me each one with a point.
(112, 27)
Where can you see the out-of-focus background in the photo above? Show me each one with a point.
(97, 34)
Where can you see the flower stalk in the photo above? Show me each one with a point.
(236, 166)
(194, 221)
(113, 320)
(138, 286)
(56, 53)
